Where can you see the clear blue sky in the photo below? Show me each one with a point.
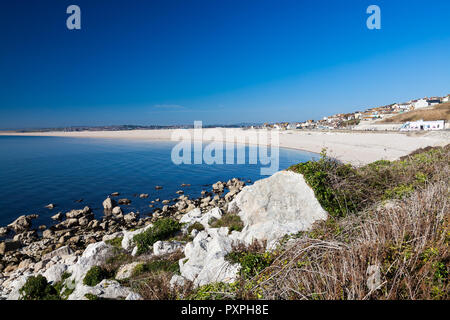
(220, 61)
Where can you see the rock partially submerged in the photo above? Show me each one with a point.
(22, 223)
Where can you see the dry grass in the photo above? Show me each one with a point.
(439, 112)
(153, 284)
(407, 241)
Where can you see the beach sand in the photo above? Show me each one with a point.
(358, 148)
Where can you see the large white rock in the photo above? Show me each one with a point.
(107, 289)
(94, 255)
(205, 262)
(60, 252)
(196, 216)
(126, 270)
(55, 272)
(191, 216)
(279, 205)
(134, 296)
(165, 247)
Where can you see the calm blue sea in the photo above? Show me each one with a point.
(36, 171)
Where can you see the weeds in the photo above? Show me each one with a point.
(230, 220)
(161, 230)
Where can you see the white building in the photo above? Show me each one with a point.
(433, 102)
(291, 126)
(403, 106)
(423, 125)
(422, 103)
(446, 99)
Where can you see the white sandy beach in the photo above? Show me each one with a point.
(357, 148)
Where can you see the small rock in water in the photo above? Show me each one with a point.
(79, 200)
(108, 204)
(180, 192)
(3, 231)
(116, 210)
(57, 216)
(42, 227)
(185, 185)
(50, 206)
(124, 201)
(158, 187)
(115, 194)
(143, 195)
(21, 224)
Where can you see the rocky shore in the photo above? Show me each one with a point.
(67, 250)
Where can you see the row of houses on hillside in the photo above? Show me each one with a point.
(348, 120)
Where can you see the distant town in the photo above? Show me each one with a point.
(381, 118)
(429, 113)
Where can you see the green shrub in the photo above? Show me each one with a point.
(38, 288)
(251, 263)
(95, 275)
(60, 287)
(198, 226)
(230, 220)
(342, 189)
(215, 291)
(253, 258)
(91, 296)
(116, 242)
(399, 192)
(320, 176)
(161, 230)
(157, 266)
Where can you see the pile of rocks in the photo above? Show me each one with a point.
(77, 229)
(269, 209)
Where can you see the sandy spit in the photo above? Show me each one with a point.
(358, 148)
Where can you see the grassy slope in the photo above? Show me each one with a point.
(439, 112)
(390, 216)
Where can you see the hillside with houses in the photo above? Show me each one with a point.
(429, 113)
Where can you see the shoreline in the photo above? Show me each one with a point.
(357, 148)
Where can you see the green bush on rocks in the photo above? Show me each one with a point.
(95, 275)
(38, 288)
(161, 230)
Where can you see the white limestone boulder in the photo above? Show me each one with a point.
(94, 255)
(279, 205)
(55, 272)
(126, 270)
(165, 247)
(204, 219)
(106, 289)
(204, 260)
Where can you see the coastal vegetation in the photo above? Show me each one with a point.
(386, 237)
(95, 275)
(161, 230)
(388, 240)
(343, 189)
(230, 220)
